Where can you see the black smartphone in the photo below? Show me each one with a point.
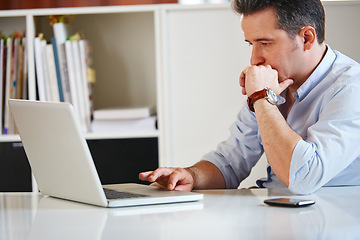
(289, 202)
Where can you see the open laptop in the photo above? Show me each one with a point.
(62, 163)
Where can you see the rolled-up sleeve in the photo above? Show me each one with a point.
(305, 167)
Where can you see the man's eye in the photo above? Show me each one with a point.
(265, 43)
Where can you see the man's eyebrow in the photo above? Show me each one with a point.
(261, 40)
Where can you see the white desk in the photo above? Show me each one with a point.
(223, 214)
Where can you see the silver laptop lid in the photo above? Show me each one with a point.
(57, 151)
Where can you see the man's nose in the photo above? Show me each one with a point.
(257, 57)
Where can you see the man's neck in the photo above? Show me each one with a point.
(316, 57)
(286, 107)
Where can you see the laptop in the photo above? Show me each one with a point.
(62, 163)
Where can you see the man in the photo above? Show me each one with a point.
(310, 140)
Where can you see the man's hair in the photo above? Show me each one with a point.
(292, 14)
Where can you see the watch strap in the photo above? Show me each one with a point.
(256, 96)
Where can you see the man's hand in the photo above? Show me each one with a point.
(256, 78)
(170, 178)
(203, 175)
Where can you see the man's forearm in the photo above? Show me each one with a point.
(278, 139)
(206, 176)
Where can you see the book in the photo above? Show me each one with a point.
(15, 68)
(25, 70)
(123, 113)
(7, 116)
(126, 125)
(58, 70)
(71, 74)
(20, 69)
(84, 65)
(80, 83)
(2, 53)
(64, 74)
(46, 82)
(60, 35)
(53, 94)
(39, 67)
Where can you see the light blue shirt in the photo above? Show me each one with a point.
(326, 114)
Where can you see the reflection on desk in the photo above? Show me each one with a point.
(223, 214)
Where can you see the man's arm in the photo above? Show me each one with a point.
(278, 139)
(207, 176)
(203, 175)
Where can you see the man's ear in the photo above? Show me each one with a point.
(308, 34)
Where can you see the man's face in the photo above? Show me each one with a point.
(272, 46)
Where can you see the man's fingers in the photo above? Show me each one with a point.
(242, 77)
(242, 80)
(181, 180)
(184, 188)
(174, 178)
(285, 84)
(152, 176)
(160, 173)
(145, 175)
(170, 178)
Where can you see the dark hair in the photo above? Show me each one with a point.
(292, 14)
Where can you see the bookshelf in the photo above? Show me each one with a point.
(183, 59)
(125, 44)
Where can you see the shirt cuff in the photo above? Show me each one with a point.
(299, 167)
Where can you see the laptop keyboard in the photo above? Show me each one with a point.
(113, 194)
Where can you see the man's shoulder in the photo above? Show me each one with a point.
(345, 62)
(345, 70)
(342, 79)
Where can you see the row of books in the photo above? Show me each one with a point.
(13, 76)
(63, 74)
(63, 71)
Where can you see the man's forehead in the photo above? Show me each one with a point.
(260, 25)
(266, 18)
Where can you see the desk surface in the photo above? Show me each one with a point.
(223, 214)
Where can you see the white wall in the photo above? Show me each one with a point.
(342, 27)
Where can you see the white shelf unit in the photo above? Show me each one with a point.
(185, 59)
(126, 51)
(125, 43)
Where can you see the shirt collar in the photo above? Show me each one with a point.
(317, 76)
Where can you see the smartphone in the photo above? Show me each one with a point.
(289, 202)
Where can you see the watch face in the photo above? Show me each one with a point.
(272, 97)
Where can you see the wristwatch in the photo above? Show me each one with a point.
(266, 93)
